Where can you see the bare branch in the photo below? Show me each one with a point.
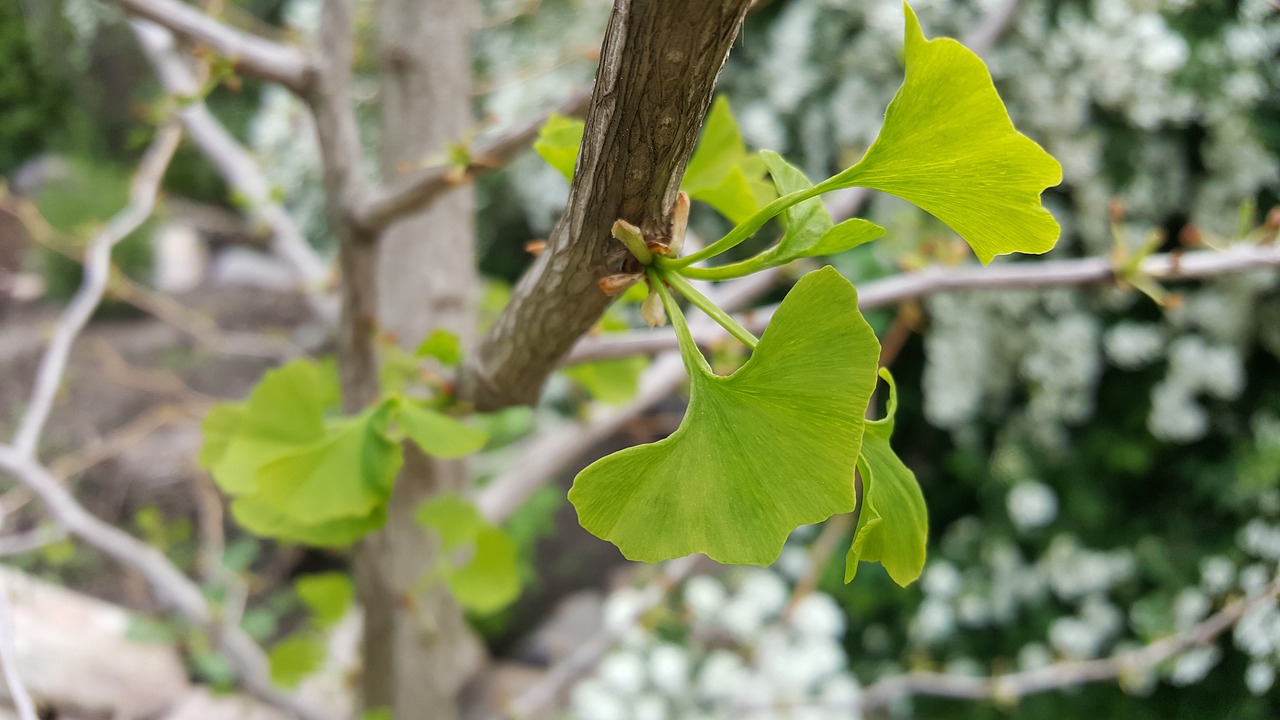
(169, 583)
(331, 102)
(1062, 675)
(31, 540)
(238, 167)
(252, 54)
(932, 281)
(417, 190)
(657, 70)
(9, 662)
(97, 271)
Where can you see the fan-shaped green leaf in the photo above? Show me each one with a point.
(438, 434)
(490, 580)
(262, 519)
(327, 595)
(948, 146)
(752, 459)
(284, 413)
(721, 172)
(893, 526)
(457, 520)
(348, 473)
(558, 142)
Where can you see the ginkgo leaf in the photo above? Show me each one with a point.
(456, 520)
(753, 458)
(284, 413)
(348, 473)
(721, 172)
(490, 580)
(558, 142)
(438, 434)
(262, 519)
(893, 525)
(809, 231)
(327, 595)
(948, 146)
(217, 430)
(294, 658)
(610, 381)
(442, 345)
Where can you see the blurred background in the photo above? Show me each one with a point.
(1102, 467)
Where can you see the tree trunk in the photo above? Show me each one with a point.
(658, 68)
(417, 647)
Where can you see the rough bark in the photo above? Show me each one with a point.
(417, 648)
(658, 67)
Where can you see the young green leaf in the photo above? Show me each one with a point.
(456, 520)
(283, 414)
(348, 473)
(752, 459)
(894, 525)
(294, 658)
(217, 430)
(558, 142)
(721, 172)
(443, 346)
(948, 146)
(490, 580)
(262, 519)
(438, 434)
(326, 595)
(610, 381)
(809, 231)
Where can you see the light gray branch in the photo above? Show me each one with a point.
(935, 280)
(1062, 675)
(417, 190)
(97, 271)
(9, 662)
(252, 54)
(238, 168)
(31, 540)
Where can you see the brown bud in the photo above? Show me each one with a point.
(535, 247)
(1189, 236)
(1273, 219)
(653, 311)
(1115, 210)
(613, 284)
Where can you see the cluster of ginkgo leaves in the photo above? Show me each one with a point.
(781, 442)
(776, 444)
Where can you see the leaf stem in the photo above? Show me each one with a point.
(749, 226)
(693, 358)
(703, 303)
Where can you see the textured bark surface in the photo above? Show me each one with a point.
(417, 648)
(658, 68)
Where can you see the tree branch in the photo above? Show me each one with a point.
(252, 54)
(417, 190)
(913, 286)
(238, 167)
(1062, 675)
(657, 71)
(97, 271)
(9, 662)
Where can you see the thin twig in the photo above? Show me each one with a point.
(938, 279)
(97, 270)
(238, 168)
(9, 661)
(1062, 675)
(31, 540)
(417, 190)
(252, 54)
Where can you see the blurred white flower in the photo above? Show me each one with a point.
(1032, 505)
(723, 676)
(623, 671)
(669, 668)
(1217, 574)
(1260, 677)
(818, 615)
(1193, 665)
(593, 699)
(941, 580)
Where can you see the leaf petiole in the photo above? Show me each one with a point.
(703, 303)
(749, 226)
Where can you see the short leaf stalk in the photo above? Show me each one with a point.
(704, 303)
